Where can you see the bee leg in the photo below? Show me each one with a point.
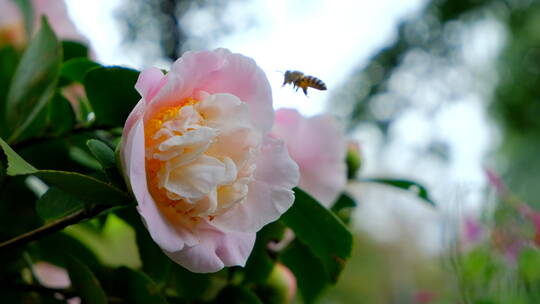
(305, 91)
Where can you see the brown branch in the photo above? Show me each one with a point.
(54, 226)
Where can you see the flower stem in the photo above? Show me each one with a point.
(54, 226)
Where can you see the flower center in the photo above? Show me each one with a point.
(200, 157)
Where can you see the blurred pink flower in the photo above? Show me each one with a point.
(12, 29)
(425, 297)
(11, 24)
(197, 155)
(496, 182)
(473, 230)
(318, 146)
(52, 276)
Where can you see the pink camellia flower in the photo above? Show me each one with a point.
(318, 146)
(199, 160)
(12, 29)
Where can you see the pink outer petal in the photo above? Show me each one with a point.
(269, 195)
(149, 83)
(318, 145)
(165, 235)
(219, 71)
(216, 250)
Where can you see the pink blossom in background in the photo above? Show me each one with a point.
(198, 158)
(318, 146)
(473, 230)
(52, 276)
(11, 24)
(12, 29)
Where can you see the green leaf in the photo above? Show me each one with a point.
(321, 231)
(83, 187)
(237, 295)
(61, 116)
(343, 202)
(8, 64)
(16, 165)
(46, 249)
(17, 208)
(102, 152)
(404, 184)
(343, 207)
(136, 287)
(73, 49)
(529, 264)
(111, 92)
(307, 268)
(85, 283)
(34, 81)
(190, 286)
(107, 159)
(260, 263)
(55, 204)
(75, 69)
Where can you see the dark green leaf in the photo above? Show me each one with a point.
(404, 184)
(107, 159)
(46, 249)
(111, 91)
(102, 152)
(36, 128)
(85, 283)
(17, 208)
(61, 116)
(155, 263)
(343, 208)
(73, 49)
(34, 81)
(344, 201)
(321, 231)
(8, 63)
(136, 287)
(260, 262)
(83, 187)
(55, 204)
(188, 285)
(237, 295)
(307, 268)
(76, 69)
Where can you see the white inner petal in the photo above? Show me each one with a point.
(208, 150)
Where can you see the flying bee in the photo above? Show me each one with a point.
(299, 80)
